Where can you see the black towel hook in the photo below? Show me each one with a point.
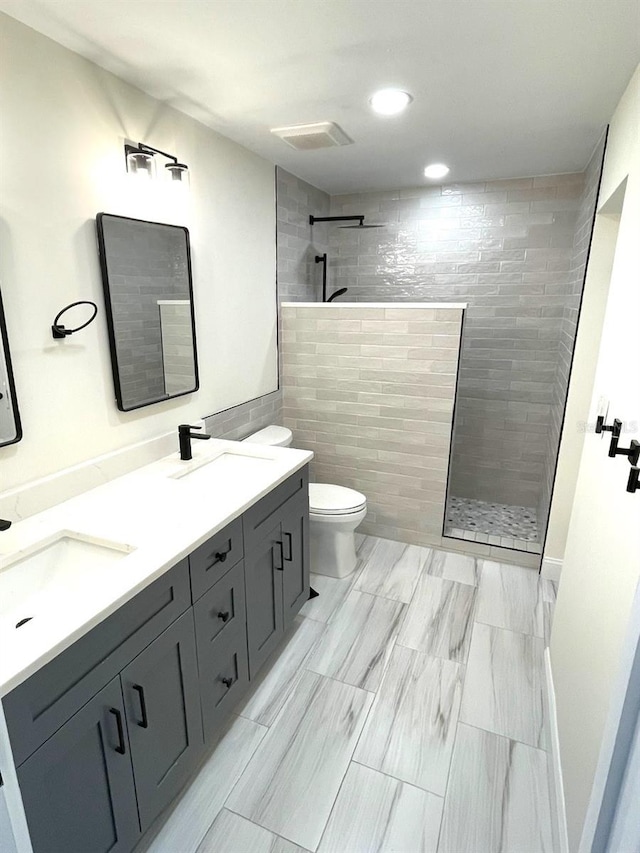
(59, 331)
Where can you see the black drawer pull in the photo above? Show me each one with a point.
(221, 556)
(224, 615)
(290, 547)
(227, 682)
(120, 749)
(144, 722)
(278, 568)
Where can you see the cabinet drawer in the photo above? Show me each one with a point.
(224, 677)
(258, 518)
(210, 561)
(37, 708)
(222, 608)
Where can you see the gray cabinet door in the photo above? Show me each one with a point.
(162, 701)
(264, 567)
(295, 542)
(77, 788)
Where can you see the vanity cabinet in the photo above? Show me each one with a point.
(106, 734)
(78, 789)
(276, 543)
(162, 709)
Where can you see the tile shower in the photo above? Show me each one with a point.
(515, 251)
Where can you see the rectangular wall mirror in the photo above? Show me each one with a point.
(146, 274)
(10, 427)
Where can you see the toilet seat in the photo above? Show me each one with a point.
(329, 500)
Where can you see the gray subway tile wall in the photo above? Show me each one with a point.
(299, 277)
(569, 323)
(240, 421)
(371, 392)
(505, 248)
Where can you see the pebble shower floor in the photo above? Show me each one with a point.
(484, 519)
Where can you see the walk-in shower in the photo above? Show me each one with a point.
(515, 252)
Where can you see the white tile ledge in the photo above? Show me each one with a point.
(394, 305)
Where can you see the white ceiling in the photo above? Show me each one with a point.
(502, 88)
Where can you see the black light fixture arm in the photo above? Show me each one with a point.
(147, 149)
(313, 219)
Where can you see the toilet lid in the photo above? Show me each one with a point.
(326, 499)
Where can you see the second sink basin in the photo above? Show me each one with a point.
(228, 463)
(46, 578)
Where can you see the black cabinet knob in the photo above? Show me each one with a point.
(224, 615)
(227, 681)
(221, 556)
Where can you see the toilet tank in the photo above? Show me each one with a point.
(276, 436)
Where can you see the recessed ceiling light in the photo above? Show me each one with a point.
(390, 102)
(436, 170)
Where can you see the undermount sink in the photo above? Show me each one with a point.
(47, 577)
(226, 463)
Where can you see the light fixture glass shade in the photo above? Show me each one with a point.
(436, 170)
(390, 102)
(141, 164)
(178, 173)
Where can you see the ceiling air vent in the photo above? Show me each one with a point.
(307, 137)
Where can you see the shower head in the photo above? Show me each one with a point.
(358, 219)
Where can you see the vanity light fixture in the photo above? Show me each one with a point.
(436, 170)
(141, 161)
(390, 102)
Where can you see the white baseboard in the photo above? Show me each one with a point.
(551, 568)
(556, 786)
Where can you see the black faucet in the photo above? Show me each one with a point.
(184, 437)
(4, 525)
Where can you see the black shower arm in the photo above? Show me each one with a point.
(313, 219)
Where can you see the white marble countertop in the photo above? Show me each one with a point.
(160, 519)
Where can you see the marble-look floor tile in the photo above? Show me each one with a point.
(357, 643)
(410, 730)
(290, 785)
(374, 812)
(503, 686)
(331, 593)
(392, 570)
(509, 597)
(281, 673)
(497, 800)
(234, 834)
(200, 803)
(454, 567)
(439, 619)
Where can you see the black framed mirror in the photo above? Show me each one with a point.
(10, 425)
(146, 275)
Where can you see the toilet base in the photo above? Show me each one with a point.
(333, 545)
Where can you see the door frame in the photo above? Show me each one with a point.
(622, 721)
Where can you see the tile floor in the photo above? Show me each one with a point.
(514, 527)
(403, 713)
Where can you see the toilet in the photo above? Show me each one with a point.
(334, 514)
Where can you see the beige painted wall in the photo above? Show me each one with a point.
(602, 559)
(61, 147)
